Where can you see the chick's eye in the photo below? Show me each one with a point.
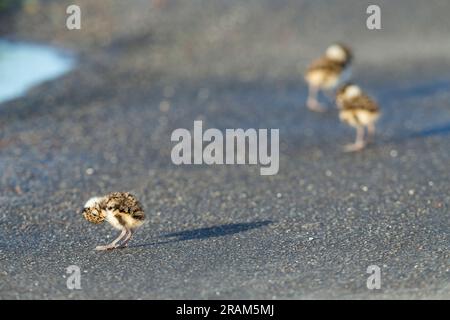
(109, 208)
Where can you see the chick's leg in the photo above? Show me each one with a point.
(113, 244)
(371, 132)
(359, 143)
(127, 238)
(312, 102)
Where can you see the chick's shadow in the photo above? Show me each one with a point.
(205, 233)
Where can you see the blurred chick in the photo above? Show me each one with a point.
(359, 111)
(121, 209)
(326, 72)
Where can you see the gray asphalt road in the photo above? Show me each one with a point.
(225, 231)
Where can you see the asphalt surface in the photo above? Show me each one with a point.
(225, 232)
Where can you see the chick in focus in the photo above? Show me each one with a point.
(121, 209)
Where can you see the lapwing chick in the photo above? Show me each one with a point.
(359, 111)
(326, 72)
(121, 209)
